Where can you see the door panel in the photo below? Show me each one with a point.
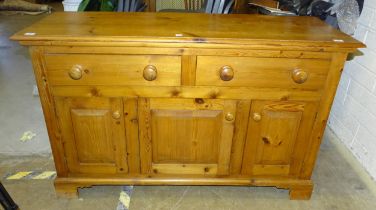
(91, 129)
(278, 133)
(93, 134)
(203, 147)
(186, 136)
(277, 137)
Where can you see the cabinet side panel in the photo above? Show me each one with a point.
(48, 111)
(335, 71)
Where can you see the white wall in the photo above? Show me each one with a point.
(353, 115)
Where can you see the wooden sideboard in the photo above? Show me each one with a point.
(185, 99)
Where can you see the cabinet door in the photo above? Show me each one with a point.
(186, 136)
(93, 134)
(278, 136)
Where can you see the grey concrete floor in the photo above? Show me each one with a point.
(340, 182)
(20, 111)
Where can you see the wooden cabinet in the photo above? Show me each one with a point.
(185, 99)
(93, 134)
(278, 136)
(186, 136)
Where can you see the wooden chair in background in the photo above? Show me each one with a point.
(208, 6)
(240, 6)
(193, 4)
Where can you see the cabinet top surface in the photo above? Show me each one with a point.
(112, 27)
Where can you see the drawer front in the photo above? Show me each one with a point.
(78, 69)
(261, 72)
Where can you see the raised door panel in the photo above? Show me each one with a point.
(91, 130)
(202, 144)
(186, 136)
(278, 135)
(93, 134)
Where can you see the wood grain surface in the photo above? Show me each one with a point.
(110, 27)
(177, 99)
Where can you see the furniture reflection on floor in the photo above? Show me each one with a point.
(6, 201)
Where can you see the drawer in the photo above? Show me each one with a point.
(84, 69)
(261, 72)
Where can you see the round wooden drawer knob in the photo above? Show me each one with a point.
(226, 73)
(299, 76)
(116, 115)
(75, 72)
(256, 117)
(150, 73)
(229, 117)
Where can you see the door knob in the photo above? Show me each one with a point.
(226, 73)
(256, 116)
(116, 115)
(229, 117)
(150, 73)
(75, 72)
(299, 76)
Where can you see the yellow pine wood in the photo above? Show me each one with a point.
(241, 122)
(271, 170)
(275, 142)
(108, 125)
(227, 133)
(48, 104)
(269, 45)
(185, 136)
(94, 141)
(188, 132)
(131, 132)
(186, 28)
(188, 70)
(188, 92)
(258, 72)
(317, 131)
(185, 169)
(187, 53)
(113, 69)
(145, 138)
